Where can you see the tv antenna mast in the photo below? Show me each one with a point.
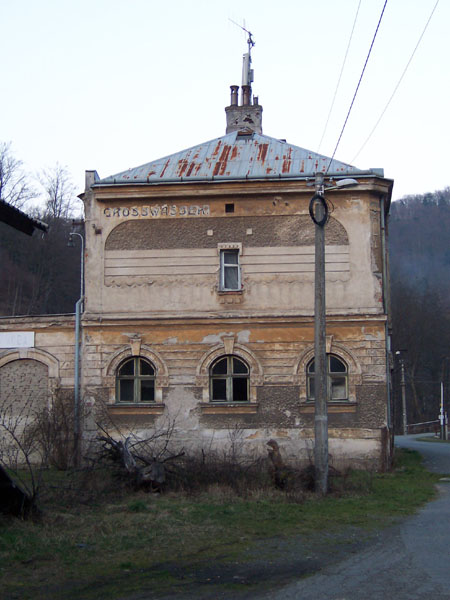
(247, 71)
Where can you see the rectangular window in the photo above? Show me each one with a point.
(230, 271)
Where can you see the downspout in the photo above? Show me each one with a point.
(76, 407)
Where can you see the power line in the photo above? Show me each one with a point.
(340, 77)
(397, 86)
(357, 87)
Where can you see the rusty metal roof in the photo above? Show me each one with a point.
(235, 156)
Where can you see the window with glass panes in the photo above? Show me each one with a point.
(135, 381)
(337, 379)
(229, 380)
(230, 272)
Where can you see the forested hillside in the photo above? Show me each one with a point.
(419, 244)
(39, 274)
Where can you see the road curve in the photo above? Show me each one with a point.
(436, 456)
(409, 562)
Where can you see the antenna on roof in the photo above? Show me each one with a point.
(247, 71)
(244, 117)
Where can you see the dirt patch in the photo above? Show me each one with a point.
(268, 564)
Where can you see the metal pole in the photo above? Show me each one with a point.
(403, 387)
(78, 311)
(76, 405)
(320, 357)
(442, 412)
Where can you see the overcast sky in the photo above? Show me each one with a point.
(112, 84)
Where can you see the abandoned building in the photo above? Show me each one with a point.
(199, 300)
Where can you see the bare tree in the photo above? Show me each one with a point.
(52, 431)
(15, 187)
(60, 199)
(40, 274)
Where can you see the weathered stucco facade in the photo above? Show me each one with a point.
(157, 242)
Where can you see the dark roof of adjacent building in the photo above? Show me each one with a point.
(19, 220)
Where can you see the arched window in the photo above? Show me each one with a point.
(229, 380)
(135, 381)
(337, 379)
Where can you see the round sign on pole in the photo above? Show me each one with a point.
(320, 200)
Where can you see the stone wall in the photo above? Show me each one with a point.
(277, 355)
(270, 232)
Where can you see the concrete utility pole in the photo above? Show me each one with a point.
(319, 216)
(318, 210)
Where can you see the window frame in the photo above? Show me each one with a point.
(331, 375)
(229, 376)
(137, 377)
(235, 249)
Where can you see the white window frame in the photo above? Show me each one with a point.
(222, 249)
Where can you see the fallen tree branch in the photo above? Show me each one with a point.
(151, 474)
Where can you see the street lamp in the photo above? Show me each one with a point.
(442, 412)
(403, 388)
(318, 210)
(78, 311)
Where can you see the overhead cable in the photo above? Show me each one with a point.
(339, 78)
(397, 86)
(357, 87)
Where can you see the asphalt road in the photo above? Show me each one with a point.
(409, 562)
(436, 457)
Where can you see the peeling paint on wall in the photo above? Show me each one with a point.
(243, 337)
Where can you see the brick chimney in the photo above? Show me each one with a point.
(246, 118)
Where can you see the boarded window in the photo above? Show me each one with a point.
(337, 379)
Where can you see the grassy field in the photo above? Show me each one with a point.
(120, 542)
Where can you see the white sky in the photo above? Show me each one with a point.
(112, 84)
